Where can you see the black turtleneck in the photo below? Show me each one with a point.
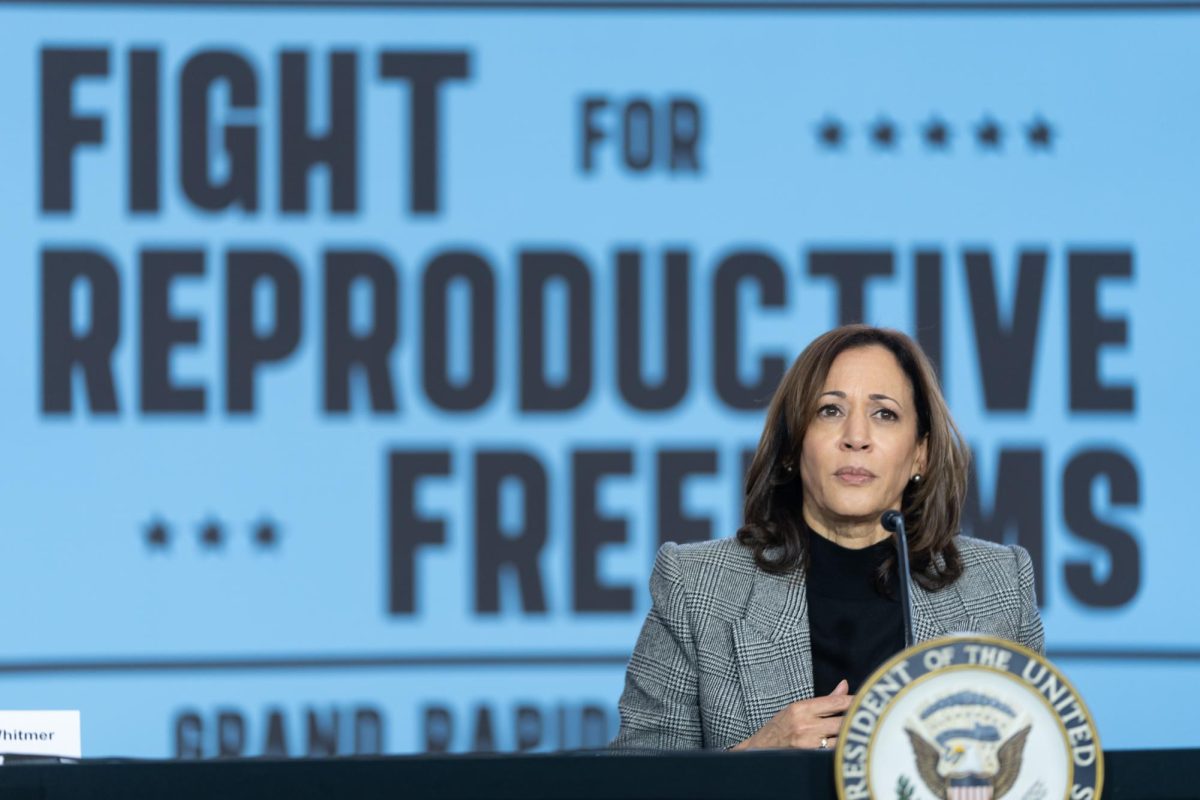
(854, 626)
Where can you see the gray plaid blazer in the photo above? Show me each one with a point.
(726, 646)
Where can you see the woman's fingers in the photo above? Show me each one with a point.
(812, 740)
(804, 723)
(830, 704)
(817, 719)
(830, 726)
(827, 727)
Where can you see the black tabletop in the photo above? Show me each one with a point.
(1140, 774)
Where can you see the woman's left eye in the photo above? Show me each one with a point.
(888, 414)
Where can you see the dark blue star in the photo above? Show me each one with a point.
(831, 134)
(157, 535)
(884, 134)
(937, 134)
(1040, 134)
(211, 536)
(989, 133)
(266, 534)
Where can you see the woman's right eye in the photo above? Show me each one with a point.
(828, 411)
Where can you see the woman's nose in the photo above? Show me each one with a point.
(856, 435)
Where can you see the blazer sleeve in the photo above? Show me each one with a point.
(1030, 633)
(660, 707)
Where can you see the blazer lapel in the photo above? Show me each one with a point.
(772, 646)
(937, 613)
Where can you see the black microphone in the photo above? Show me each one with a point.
(893, 522)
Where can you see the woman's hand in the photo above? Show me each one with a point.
(804, 723)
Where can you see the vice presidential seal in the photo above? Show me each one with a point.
(968, 718)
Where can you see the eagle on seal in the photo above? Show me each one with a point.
(963, 770)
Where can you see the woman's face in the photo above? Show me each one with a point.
(861, 448)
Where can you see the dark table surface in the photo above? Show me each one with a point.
(1129, 775)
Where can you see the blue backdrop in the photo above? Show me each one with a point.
(357, 360)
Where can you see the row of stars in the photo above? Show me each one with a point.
(936, 133)
(264, 534)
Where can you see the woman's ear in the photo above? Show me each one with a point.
(922, 456)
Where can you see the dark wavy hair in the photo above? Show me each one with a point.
(774, 525)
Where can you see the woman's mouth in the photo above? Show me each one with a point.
(855, 476)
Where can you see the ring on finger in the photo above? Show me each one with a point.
(824, 743)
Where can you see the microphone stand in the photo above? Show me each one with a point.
(893, 521)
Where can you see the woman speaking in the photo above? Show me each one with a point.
(759, 641)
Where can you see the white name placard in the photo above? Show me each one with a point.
(40, 733)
